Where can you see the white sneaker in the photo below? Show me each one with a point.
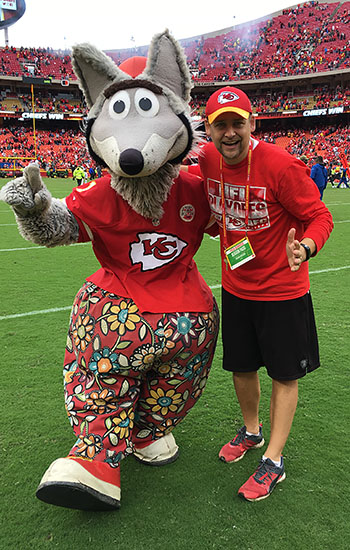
(159, 452)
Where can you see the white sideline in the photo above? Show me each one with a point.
(65, 308)
(34, 247)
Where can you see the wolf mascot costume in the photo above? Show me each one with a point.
(143, 328)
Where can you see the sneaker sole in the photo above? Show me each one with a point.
(257, 446)
(282, 478)
(157, 462)
(67, 483)
(76, 496)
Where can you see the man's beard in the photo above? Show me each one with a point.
(146, 195)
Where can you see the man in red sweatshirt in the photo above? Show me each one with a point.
(271, 222)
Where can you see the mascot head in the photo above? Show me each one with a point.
(139, 124)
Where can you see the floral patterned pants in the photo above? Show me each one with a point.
(130, 378)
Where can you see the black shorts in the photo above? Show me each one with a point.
(279, 335)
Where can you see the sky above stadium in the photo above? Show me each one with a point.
(116, 24)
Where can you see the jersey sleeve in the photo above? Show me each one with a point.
(86, 203)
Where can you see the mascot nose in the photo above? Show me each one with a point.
(131, 161)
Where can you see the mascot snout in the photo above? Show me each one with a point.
(131, 162)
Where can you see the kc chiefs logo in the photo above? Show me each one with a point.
(154, 250)
(225, 97)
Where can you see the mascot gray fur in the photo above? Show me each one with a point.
(143, 328)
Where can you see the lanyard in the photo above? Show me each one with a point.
(246, 196)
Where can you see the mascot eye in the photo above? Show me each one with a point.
(146, 103)
(119, 105)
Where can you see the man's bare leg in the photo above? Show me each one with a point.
(284, 399)
(247, 386)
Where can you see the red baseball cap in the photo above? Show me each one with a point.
(225, 100)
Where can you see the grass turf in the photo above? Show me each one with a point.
(192, 503)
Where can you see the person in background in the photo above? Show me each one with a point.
(332, 175)
(343, 179)
(79, 175)
(271, 222)
(319, 174)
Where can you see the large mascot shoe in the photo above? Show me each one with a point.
(159, 452)
(81, 484)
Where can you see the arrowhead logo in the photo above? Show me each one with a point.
(154, 250)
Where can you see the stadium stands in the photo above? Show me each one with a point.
(296, 64)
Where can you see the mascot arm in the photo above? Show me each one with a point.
(40, 218)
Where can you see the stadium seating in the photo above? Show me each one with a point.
(304, 40)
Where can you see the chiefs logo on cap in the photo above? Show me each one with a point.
(225, 97)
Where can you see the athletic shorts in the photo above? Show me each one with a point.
(280, 335)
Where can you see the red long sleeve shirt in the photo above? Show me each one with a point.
(281, 196)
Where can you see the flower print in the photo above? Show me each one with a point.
(164, 369)
(113, 458)
(123, 317)
(82, 331)
(184, 331)
(124, 423)
(164, 401)
(72, 415)
(89, 446)
(68, 372)
(168, 425)
(170, 369)
(145, 356)
(196, 365)
(169, 344)
(104, 362)
(209, 320)
(101, 401)
(198, 388)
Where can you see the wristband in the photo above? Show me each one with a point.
(307, 250)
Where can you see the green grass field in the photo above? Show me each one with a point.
(193, 503)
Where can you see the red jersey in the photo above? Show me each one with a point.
(150, 262)
(281, 196)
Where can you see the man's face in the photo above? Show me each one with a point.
(230, 134)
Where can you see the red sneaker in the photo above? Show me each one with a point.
(82, 484)
(261, 484)
(234, 450)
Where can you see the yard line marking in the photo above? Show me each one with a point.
(343, 221)
(6, 224)
(329, 269)
(65, 308)
(34, 247)
(38, 312)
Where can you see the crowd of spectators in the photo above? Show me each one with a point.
(328, 141)
(305, 39)
(64, 149)
(277, 102)
(55, 149)
(46, 102)
(38, 62)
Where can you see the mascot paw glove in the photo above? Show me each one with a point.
(27, 195)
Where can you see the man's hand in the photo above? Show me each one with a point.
(295, 252)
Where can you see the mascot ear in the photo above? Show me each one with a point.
(167, 65)
(94, 70)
